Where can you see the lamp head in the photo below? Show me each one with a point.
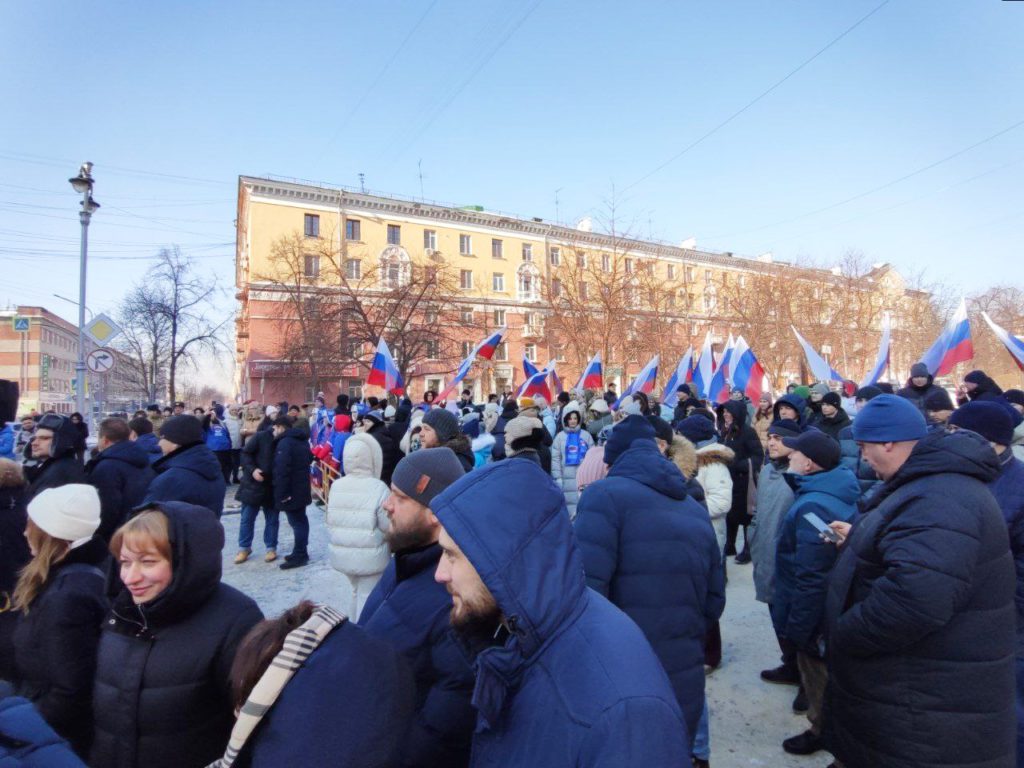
(83, 181)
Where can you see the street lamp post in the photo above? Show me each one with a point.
(82, 183)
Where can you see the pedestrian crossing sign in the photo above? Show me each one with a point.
(20, 324)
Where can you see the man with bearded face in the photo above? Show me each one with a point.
(410, 610)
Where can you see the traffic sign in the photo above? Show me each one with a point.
(102, 329)
(100, 360)
(20, 324)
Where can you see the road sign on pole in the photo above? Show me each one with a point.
(100, 360)
(101, 329)
(21, 324)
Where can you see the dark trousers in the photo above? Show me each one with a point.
(732, 530)
(224, 457)
(788, 652)
(814, 678)
(236, 463)
(713, 645)
(300, 526)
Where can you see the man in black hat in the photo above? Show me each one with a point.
(188, 471)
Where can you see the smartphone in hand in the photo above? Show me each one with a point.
(826, 533)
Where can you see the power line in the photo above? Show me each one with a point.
(116, 169)
(758, 98)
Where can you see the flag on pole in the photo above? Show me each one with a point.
(747, 371)
(528, 368)
(704, 369)
(491, 343)
(556, 383)
(882, 361)
(593, 375)
(682, 373)
(384, 372)
(719, 392)
(953, 345)
(460, 374)
(1014, 344)
(536, 383)
(820, 369)
(644, 381)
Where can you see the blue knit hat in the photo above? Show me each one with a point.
(990, 420)
(785, 428)
(696, 429)
(888, 419)
(625, 433)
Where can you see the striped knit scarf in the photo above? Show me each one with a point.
(299, 644)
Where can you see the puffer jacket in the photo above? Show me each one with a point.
(389, 448)
(568, 679)
(463, 451)
(356, 519)
(7, 442)
(257, 453)
(921, 619)
(803, 559)
(150, 443)
(747, 459)
(852, 459)
(1017, 444)
(56, 640)
(163, 695)
(795, 402)
(191, 474)
(682, 453)
(218, 438)
(61, 467)
(234, 426)
(917, 395)
(651, 550)
(713, 462)
(834, 425)
(121, 474)
(409, 610)
(774, 498)
(566, 462)
(26, 741)
(1008, 488)
(292, 458)
(482, 445)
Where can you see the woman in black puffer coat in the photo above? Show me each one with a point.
(746, 464)
(13, 555)
(162, 697)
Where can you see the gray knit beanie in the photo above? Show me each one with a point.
(425, 473)
(445, 423)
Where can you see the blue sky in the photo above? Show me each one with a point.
(505, 103)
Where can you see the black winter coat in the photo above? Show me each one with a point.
(258, 453)
(921, 620)
(14, 553)
(292, 458)
(916, 395)
(190, 474)
(55, 643)
(121, 475)
(162, 697)
(748, 457)
(389, 447)
(834, 425)
(53, 473)
(498, 451)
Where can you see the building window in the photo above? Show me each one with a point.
(466, 245)
(496, 249)
(466, 279)
(467, 347)
(556, 288)
(606, 262)
(530, 350)
(353, 229)
(581, 259)
(353, 269)
(395, 268)
(310, 265)
(501, 353)
(689, 274)
(394, 234)
(671, 271)
(499, 318)
(707, 277)
(558, 353)
(528, 282)
(555, 257)
(467, 316)
(498, 282)
(584, 291)
(432, 349)
(743, 281)
(312, 225)
(527, 252)
(628, 265)
(430, 239)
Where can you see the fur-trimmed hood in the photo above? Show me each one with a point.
(716, 453)
(11, 475)
(683, 455)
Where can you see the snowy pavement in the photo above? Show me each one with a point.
(749, 718)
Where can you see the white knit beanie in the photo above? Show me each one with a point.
(70, 512)
(271, 411)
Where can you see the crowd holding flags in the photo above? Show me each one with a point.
(720, 380)
(953, 345)
(593, 375)
(384, 372)
(704, 368)
(681, 375)
(645, 381)
(747, 373)
(882, 361)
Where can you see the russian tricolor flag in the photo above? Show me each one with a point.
(953, 345)
(593, 376)
(720, 380)
(882, 361)
(705, 368)
(820, 370)
(644, 381)
(747, 371)
(491, 343)
(384, 372)
(536, 382)
(556, 382)
(1014, 344)
(528, 368)
(682, 373)
(460, 374)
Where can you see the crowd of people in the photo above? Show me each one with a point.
(527, 583)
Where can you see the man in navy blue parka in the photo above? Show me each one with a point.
(563, 677)
(650, 549)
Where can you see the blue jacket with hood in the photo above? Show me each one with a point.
(574, 682)
(150, 443)
(651, 550)
(191, 474)
(803, 559)
(795, 402)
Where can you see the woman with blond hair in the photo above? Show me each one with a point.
(61, 601)
(162, 697)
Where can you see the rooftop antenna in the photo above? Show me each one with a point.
(362, 183)
(419, 165)
(558, 219)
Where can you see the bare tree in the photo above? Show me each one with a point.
(1005, 305)
(145, 342)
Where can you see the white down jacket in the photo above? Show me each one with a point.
(355, 511)
(563, 474)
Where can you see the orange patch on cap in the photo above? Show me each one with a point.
(422, 483)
